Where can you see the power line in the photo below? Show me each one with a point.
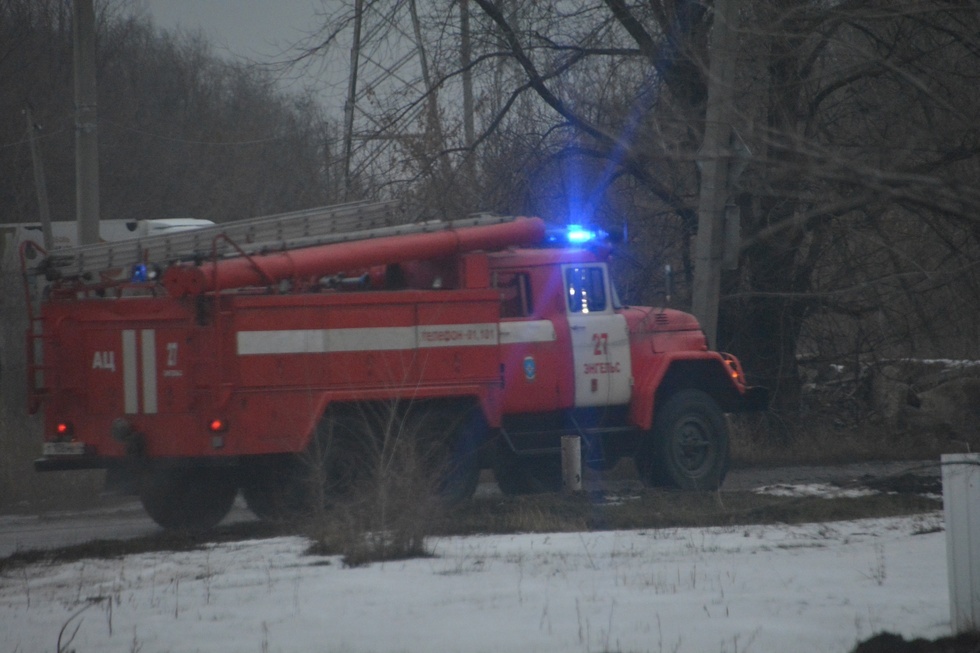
(25, 141)
(175, 139)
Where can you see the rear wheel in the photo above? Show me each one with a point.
(193, 499)
(338, 460)
(430, 447)
(688, 445)
(447, 439)
(344, 454)
(293, 487)
(274, 490)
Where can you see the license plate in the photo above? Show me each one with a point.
(64, 448)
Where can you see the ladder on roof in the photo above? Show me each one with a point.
(87, 261)
(306, 228)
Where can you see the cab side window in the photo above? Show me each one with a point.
(515, 293)
(586, 289)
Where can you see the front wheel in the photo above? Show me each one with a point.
(687, 448)
(193, 499)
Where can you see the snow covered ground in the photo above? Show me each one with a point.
(817, 587)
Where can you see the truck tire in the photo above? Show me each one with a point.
(338, 460)
(448, 438)
(687, 448)
(344, 455)
(274, 490)
(191, 499)
(518, 474)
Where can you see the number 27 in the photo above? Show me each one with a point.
(600, 340)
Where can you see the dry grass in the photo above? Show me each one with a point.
(388, 519)
(163, 541)
(386, 510)
(758, 442)
(663, 509)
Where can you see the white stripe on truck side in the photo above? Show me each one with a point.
(130, 396)
(148, 344)
(323, 341)
(132, 363)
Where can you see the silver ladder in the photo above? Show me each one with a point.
(283, 231)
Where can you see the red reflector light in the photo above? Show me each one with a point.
(64, 429)
(218, 425)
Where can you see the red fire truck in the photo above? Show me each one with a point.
(226, 358)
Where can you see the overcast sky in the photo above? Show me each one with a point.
(257, 29)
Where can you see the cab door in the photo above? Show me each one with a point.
(533, 357)
(599, 336)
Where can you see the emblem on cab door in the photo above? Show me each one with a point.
(530, 368)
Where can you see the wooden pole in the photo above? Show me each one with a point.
(86, 124)
(355, 55)
(714, 158)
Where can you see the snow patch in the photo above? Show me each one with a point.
(811, 587)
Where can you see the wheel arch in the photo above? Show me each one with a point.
(708, 373)
(348, 402)
(455, 420)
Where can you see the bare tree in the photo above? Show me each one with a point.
(867, 128)
(857, 206)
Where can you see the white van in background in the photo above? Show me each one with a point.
(65, 234)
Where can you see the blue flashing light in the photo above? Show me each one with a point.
(575, 235)
(579, 235)
(139, 273)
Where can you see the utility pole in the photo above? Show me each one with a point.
(432, 101)
(466, 60)
(714, 157)
(86, 124)
(40, 183)
(355, 55)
